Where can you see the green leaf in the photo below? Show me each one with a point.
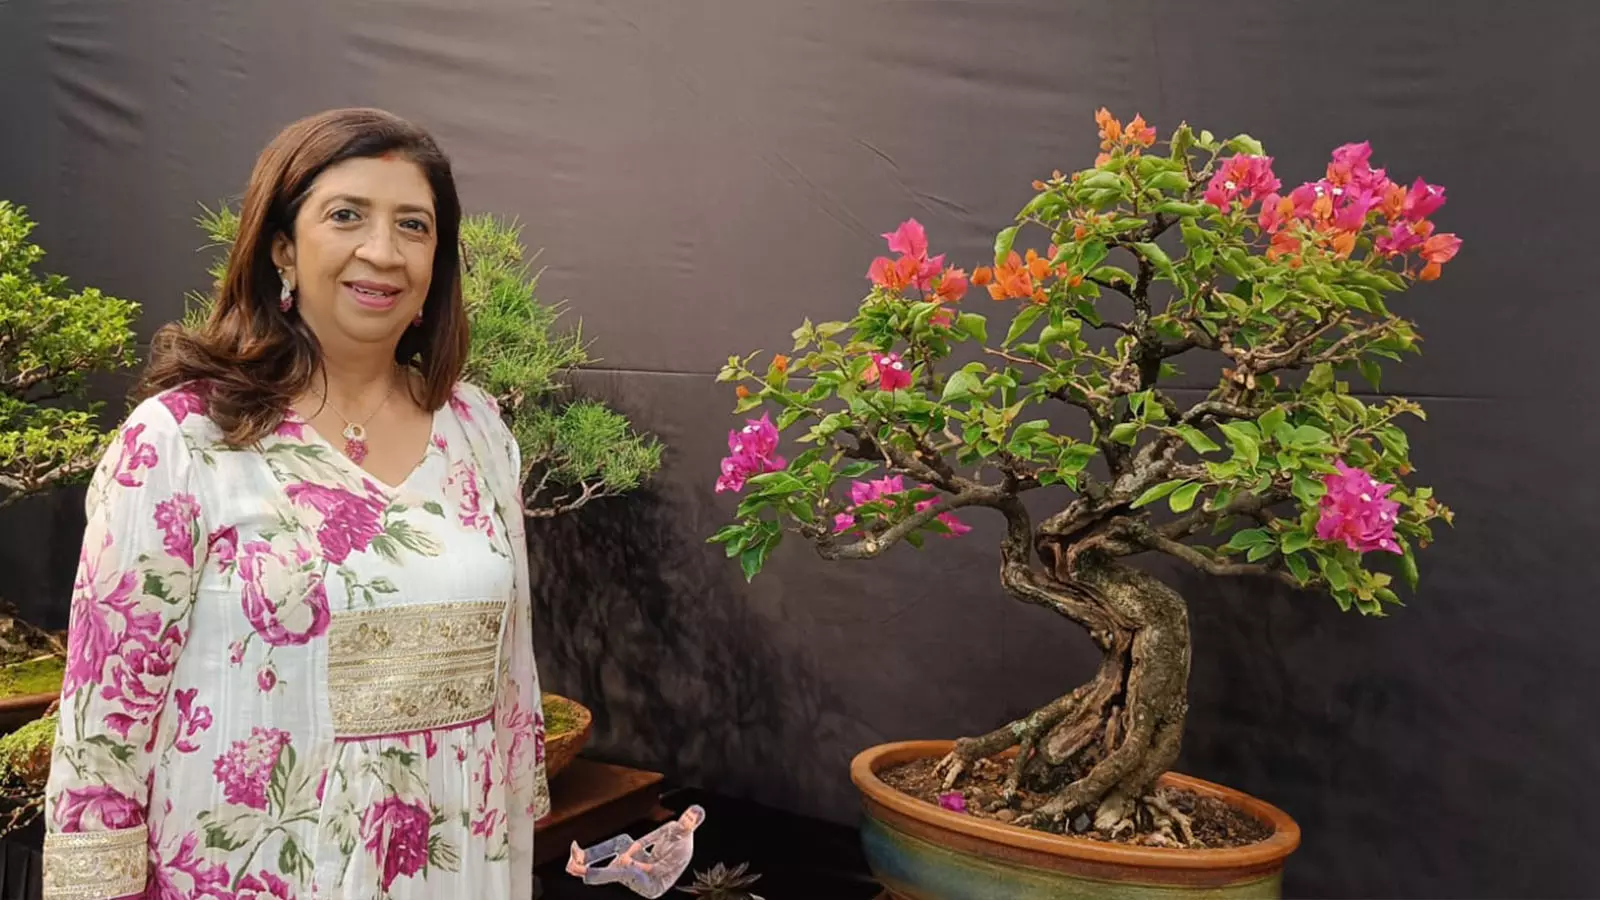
(1068, 331)
(1155, 493)
(1244, 143)
(1372, 372)
(1245, 445)
(1179, 208)
(1183, 498)
(1259, 552)
(974, 326)
(857, 469)
(1197, 439)
(1408, 563)
(1249, 537)
(1271, 296)
(790, 416)
(1334, 571)
(1272, 420)
(1294, 541)
(1157, 256)
(383, 585)
(1394, 440)
(1024, 320)
(1002, 244)
(1125, 433)
(1297, 565)
(961, 386)
(1308, 490)
(1093, 253)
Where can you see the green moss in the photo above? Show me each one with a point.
(30, 742)
(36, 676)
(559, 716)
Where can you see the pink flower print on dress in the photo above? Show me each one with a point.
(183, 875)
(186, 401)
(284, 600)
(349, 521)
(136, 682)
(264, 886)
(98, 807)
(93, 636)
(396, 833)
(177, 517)
(135, 455)
(246, 768)
(192, 720)
(223, 545)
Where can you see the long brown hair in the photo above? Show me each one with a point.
(254, 359)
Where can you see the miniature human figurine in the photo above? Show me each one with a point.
(649, 866)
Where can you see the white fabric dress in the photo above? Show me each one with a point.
(288, 681)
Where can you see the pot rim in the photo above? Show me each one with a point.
(1284, 840)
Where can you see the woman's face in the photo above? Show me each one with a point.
(361, 258)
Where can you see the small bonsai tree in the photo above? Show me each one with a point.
(51, 339)
(574, 450)
(1280, 471)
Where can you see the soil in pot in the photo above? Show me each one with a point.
(1214, 823)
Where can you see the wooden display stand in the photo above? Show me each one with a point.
(591, 801)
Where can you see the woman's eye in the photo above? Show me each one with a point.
(343, 215)
(417, 225)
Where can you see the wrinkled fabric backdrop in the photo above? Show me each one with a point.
(700, 176)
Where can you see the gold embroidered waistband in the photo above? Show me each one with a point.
(95, 865)
(410, 668)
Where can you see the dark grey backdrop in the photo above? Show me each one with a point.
(701, 175)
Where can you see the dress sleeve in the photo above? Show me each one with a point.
(131, 602)
(519, 721)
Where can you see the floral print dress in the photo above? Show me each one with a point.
(290, 681)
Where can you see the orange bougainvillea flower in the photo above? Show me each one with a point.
(1079, 232)
(982, 275)
(1140, 133)
(1038, 266)
(1110, 128)
(1438, 249)
(1283, 243)
(741, 392)
(952, 285)
(1343, 243)
(1014, 280)
(780, 362)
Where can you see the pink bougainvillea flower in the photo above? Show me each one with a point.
(752, 450)
(1356, 510)
(1403, 237)
(843, 522)
(1422, 201)
(889, 371)
(1275, 211)
(953, 801)
(1244, 178)
(909, 239)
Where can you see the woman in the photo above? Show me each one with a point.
(300, 658)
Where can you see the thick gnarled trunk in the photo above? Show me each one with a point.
(1101, 748)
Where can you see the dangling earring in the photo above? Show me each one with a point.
(286, 294)
(417, 322)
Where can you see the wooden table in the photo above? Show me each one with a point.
(591, 801)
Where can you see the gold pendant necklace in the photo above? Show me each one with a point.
(355, 433)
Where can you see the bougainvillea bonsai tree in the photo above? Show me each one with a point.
(918, 415)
